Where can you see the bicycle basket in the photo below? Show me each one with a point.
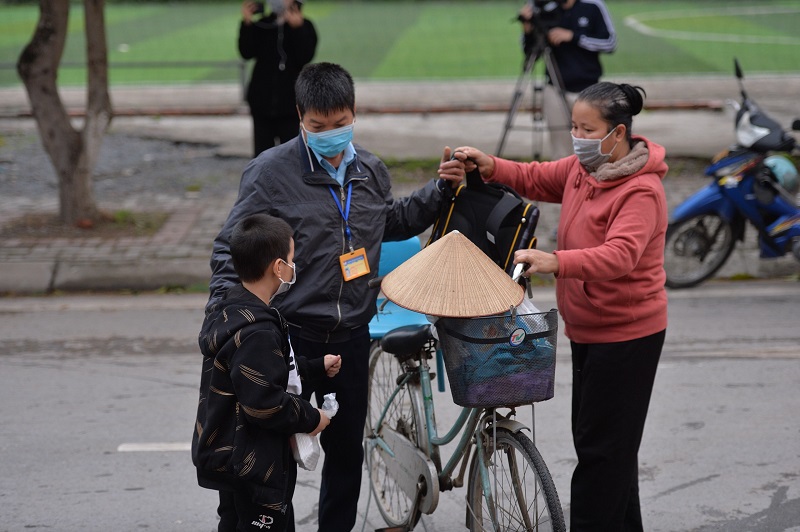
(500, 360)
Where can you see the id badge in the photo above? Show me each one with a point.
(354, 264)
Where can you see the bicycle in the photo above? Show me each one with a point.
(509, 486)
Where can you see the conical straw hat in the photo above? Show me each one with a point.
(452, 278)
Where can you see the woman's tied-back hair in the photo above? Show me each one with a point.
(325, 88)
(256, 241)
(618, 103)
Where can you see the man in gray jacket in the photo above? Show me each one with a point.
(337, 196)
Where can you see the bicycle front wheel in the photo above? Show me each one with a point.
(696, 249)
(402, 414)
(522, 491)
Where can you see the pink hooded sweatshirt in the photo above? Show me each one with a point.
(610, 248)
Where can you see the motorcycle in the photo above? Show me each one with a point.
(748, 184)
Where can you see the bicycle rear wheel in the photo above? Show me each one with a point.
(383, 370)
(405, 416)
(522, 489)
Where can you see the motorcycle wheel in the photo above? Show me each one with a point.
(696, 248)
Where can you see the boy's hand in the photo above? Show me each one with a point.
(324, 421)
(333, 363)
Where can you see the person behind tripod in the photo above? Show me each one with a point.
(577, 32)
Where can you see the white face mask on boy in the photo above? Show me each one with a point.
(285, 285)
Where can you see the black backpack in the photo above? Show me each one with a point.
(491, 215)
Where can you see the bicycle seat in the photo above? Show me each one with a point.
(404, 342)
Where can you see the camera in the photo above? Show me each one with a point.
(546, 14)
(276, 6)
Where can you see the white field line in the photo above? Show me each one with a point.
(153, 447)
(638, 23)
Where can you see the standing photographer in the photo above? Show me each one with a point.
(577, 31)
(281, 42)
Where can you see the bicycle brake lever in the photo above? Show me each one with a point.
(519, 269)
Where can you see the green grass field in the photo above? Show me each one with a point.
(191, 43)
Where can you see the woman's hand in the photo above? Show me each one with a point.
(473, 156)
(333, 363)
(538, 261)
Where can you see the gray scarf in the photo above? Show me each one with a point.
(628, 165)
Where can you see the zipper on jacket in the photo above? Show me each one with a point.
(341, 283)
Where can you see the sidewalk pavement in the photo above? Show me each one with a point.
(397, 120)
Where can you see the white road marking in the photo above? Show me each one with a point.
(638, 23)
(153, 447)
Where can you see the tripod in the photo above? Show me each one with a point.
(533, 54)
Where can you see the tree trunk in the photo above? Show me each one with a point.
(72, 152)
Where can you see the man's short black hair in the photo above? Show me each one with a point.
(325, 88)
(256, 241)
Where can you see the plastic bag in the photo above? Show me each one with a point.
(294, 386)
(305, 447)
(329, 405)
(527, 306)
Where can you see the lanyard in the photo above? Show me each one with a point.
(345, 212)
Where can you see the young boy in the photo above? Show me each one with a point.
(245, 416)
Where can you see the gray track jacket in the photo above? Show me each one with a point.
(286, 183)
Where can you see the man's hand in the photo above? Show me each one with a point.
(526, 16)
(248, 10)
(557, 36)
(450, 169)
(470, 157)
(333, 363)
(293, 16)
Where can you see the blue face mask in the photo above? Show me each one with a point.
(329, 143)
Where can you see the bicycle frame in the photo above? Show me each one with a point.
(467, 423)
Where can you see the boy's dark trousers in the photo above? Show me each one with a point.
(342, 440)
(232, 506)
(611, 388)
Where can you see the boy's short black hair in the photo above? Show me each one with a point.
(325, 88)
(256, 241)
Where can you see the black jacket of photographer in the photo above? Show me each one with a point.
(280, 52)
(579, 60)
(285, 182)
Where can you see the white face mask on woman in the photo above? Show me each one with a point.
(589, 151)
(285, 285)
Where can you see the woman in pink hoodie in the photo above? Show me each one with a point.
(609, 269)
